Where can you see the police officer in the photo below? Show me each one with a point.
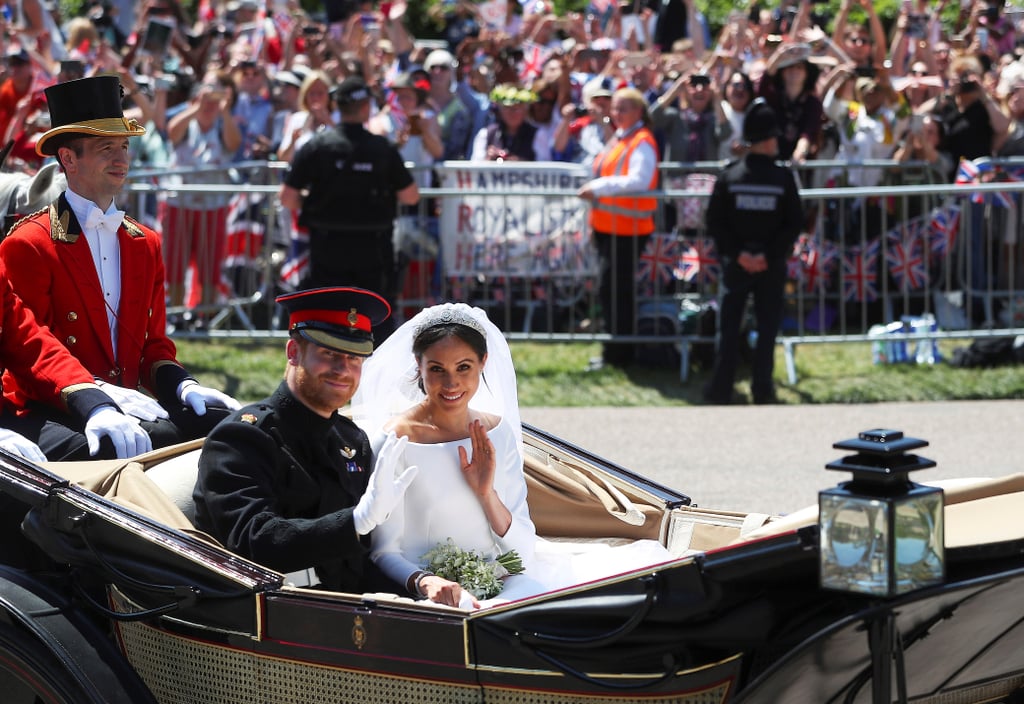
(754, 216)
(286, 481)
(355, 181)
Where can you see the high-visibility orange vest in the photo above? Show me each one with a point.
(624, 215)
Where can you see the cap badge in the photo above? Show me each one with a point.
(353, 317)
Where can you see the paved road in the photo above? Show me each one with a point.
(772, 459)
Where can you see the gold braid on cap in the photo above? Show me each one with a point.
(448, 314)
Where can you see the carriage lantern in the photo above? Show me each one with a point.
(880, 533)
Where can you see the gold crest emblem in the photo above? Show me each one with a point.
(348, 453)
(358, 633)
(248, 418)
(353, 317)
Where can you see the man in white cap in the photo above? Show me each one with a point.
(96, 277)
(454, 117)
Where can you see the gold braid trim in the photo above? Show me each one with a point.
(68, 390)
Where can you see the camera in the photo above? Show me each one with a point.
(700, 79)
(581, 111)
(968, 84)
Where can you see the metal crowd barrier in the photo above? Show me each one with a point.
(894, 265)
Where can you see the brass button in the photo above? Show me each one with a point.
(114, 373)
(72, 316)
(72, 340)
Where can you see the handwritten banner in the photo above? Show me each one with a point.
(511, 220)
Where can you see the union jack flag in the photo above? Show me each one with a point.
(658, 260)
(284, 23)
(296, 267)
(983, 171)
(534, 56)
(245, 228)
(859, 274)
(795, 263)
(942, 230)
(699, 262)
(906, 260)
(397, 112)
(819, 261)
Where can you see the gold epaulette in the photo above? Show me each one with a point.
(133, 227)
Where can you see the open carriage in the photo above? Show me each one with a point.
(114, 598)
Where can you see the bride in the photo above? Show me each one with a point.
(445, 380)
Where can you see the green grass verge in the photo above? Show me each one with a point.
(555, 375)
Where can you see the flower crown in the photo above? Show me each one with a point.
(509, 93)
(448, 314)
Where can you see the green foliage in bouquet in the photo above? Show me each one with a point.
(477, 575)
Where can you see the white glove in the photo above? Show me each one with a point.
(134, 403)
(199, 398)
(20, 445)
(123, 430)
(386, 487)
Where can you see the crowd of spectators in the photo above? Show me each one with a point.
(245, 80)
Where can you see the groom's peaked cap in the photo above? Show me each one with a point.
(339, 318)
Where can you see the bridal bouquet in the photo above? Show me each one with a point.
(477, 575)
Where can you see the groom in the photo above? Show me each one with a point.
(287, 481)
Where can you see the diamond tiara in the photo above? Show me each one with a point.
(448, 314)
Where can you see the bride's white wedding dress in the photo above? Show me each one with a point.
(439, 506)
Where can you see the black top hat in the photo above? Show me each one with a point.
(338, 318)
(760, 123)
(86, 106)
(351, 90)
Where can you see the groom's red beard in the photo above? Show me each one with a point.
(325, 392)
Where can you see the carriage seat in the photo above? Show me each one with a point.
(176, 477)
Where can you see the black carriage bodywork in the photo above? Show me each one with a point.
(174, 618)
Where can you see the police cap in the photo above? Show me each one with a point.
(760, 123)
(351, 90)
(340, 318)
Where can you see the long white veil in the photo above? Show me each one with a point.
(389, 380)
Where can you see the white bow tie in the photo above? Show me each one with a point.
(98, 220)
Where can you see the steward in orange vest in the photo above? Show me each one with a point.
(624, 215)
(621, 219)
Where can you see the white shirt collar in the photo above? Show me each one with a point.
(82, 205)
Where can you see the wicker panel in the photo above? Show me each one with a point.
(992, 692)
(184, 671)
(712, 695)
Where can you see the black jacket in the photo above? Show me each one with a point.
(277, 484)
(755, 207)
